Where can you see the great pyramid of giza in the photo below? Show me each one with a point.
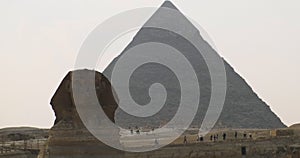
(242, 109)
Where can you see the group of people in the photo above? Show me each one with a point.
(199, 139)
(136, 130)
(215, 137)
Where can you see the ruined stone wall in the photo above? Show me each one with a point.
(273, 148)
(19, 154)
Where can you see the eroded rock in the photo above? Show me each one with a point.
(69, 138)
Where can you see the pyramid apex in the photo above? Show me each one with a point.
(169, 4)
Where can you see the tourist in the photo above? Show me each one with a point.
(184, 140)
(250, 135)
(224, 136)
(201, 139)
(235, 134)
(131, 131)
(156, 141)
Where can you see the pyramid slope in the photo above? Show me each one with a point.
(242, 108)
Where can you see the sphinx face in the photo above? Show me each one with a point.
(63, 102)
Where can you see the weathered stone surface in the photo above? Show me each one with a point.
(296, 129)
(22, 133)
(19, 154)
(242, 109)
(69, 138)
(295, 126)
(272, 148)
(63, 104)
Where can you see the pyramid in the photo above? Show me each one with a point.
(242, 107)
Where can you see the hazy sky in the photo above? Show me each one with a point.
(39, 41)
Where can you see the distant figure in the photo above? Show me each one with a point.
(224, 136)
(250, 135)
(235, 134)
(131, 131)
(211, 137)
(201, 139)
(217, 136)
(138, 131)
(184, 140)
(156, 141)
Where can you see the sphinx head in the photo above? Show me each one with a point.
(63, 102)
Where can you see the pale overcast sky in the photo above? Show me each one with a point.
(40, 40)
